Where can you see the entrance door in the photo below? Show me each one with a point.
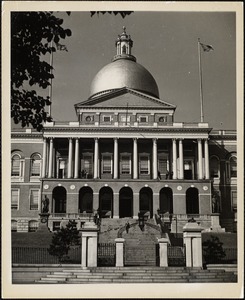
(188, 169)
(106, 202)
(125, 203)
(146, 201)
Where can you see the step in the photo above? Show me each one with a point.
(53, 279)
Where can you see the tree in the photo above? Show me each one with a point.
(31, 36)
(63, 240)
(122, 13)
(213, 250)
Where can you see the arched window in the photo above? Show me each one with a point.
(17, 166)
(36, 165)
(214, 167)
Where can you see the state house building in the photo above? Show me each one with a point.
(125, 154)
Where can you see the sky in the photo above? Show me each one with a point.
(165, 43)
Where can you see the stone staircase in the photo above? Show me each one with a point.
(137, 275)
(141, 246)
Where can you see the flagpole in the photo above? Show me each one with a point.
(51, 71)
(200, 77)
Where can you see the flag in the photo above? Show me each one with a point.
(206, 48)
(61, 47)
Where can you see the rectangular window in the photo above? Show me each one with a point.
(234, 200)
(87, 164)
(15, 199)
(162, 165)
(15, 167)
(34, 199)
(107, 119)
(125, 164)
(62, 167)
(143, 119)
(106, 164)
(36, 166)
(144, 164)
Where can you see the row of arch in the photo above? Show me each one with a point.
(126, 199)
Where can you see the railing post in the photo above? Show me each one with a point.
(119, 252)
(89, 245)
(163, 252)
(193, 242)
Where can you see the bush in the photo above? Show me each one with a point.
(63, 240)
(213, 250)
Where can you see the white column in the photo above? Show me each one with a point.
(135, 159)
(174, 159)
(115, 164)
(200, 162)
(50, 163)
(154, 156)
(181, 160)
(76, 158)
(70, 158)
(206, 154)
(44, 157)
(96, 155)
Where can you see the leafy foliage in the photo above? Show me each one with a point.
(32, 37)
(213, 250)
(63, 240)
(122, 13)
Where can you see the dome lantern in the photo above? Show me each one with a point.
(123, 72)
(124, 45)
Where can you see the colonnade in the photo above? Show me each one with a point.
(73, 158)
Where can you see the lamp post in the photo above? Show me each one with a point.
(141, 221)
(175, 218)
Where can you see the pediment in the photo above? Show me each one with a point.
(126, 97)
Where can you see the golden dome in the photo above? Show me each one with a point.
(123, 72)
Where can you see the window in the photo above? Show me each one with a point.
(234, 200)
(15, 199)
(17, 166)
(87, 163)
(144, 164)
(36, 165)
(125, 164)
(62, 167)
(33, 226)
(106, 163)
(34, 199)
(214, 167)
(143, 119)
(163, 164)
(56, 226)
(233, 166)
(13, 225)
(107, 119)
